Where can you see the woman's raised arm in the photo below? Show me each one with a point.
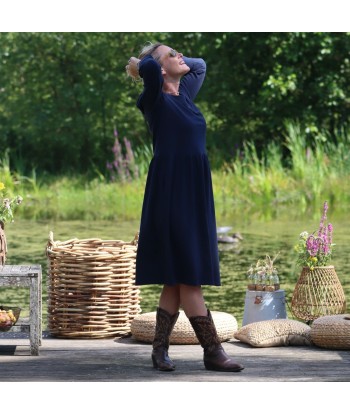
(193, 80)
(150, 72)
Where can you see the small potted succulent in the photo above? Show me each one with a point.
(263, 276)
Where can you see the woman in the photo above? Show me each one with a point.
(177, 243)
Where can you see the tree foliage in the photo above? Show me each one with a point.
(63, 94)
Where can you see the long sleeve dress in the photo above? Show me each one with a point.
(178, 239)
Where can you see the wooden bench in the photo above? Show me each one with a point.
(27, 276)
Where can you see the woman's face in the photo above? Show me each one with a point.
(171, 61)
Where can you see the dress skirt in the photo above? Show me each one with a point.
(178, 239)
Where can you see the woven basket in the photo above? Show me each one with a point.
(332, 332)
(143, 328)
(318, 293)
(91, 287)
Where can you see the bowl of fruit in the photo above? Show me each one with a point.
(8, 317)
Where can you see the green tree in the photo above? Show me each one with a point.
(62, 94)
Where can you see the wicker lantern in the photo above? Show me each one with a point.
(318, 292)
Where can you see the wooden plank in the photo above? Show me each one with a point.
(126, 360)
(22, 328)
(35, 316)
(20, 270)
(14, 281)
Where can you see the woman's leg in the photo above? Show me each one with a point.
(215, 357)
(170, 298)
(192, 301)
(167, 314)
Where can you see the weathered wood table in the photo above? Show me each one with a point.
(27, 276)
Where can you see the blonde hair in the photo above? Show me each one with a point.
(149, 48)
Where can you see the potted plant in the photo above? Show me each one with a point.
(7, 205)
(263, 276)
(318, 290)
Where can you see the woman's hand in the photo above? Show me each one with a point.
(132, 68)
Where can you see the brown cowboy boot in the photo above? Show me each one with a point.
(215, 357)
(165, 323)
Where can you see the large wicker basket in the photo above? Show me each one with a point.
(91, 287)
(318, 293)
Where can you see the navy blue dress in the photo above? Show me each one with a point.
(178, 240)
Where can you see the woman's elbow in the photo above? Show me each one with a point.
(202, 66)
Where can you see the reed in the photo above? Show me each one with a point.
(314, 171)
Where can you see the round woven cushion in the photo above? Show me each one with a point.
(331, 332)
(143, 328)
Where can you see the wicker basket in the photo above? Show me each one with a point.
(317, 293)
(91, 287)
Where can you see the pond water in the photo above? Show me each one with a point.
(261, 235)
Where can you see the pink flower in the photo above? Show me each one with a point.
(312, 245)
(330, 234)
(321, 229)
(316, 247)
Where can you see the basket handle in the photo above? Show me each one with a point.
(50, 243)
(136, 239)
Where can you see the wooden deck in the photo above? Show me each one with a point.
(127, 360)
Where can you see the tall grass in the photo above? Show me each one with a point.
(311, 173)
(297, 172)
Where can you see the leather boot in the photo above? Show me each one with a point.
(165, 323)
(215, 357)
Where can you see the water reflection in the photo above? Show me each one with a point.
(27, 242)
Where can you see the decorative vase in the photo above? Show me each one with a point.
(318, 292)
(3, 245)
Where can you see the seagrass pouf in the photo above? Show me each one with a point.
(331, 332)
(143, 328)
